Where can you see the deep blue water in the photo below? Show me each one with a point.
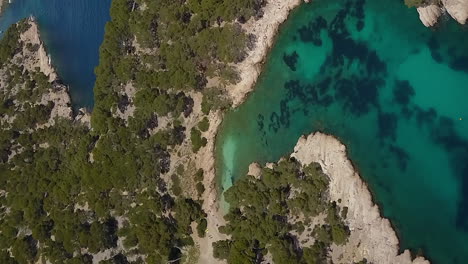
(72, 30)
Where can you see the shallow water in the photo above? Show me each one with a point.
(72, 30)
(395, 92)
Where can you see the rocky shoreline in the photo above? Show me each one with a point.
(372, 236)
(430, 13)
(39, 58)
(265, 29)
(59, 93)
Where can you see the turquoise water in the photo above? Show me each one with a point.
(395, 92)
(72, 30)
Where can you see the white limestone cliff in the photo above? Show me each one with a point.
(458, 9)
(372, 236)
(429, 15)
(38, 58)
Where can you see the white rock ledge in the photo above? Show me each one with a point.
(429, 15)
(458, 9)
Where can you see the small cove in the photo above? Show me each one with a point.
(393, 91)
(72, 32)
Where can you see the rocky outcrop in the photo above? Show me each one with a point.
(429, 15)
(84, 117)
(34, 56)
(372, 237)
(458, 9)
(264, 29)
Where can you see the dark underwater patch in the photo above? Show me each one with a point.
(324, 86)
(401, 155)
(358, 12)
(309, 94)
(445, 135)
(311, 32)
(295, 90)
(460, 63)
(260, 122)
(455, 57)
(274, 122)
(344, 47)
(425, 117)
(403, 92)
(462, 213)
(358, 95)
(285, 114)
(434, 47)
(291, 60)
(360, 25)
(388, 123)
(374, 64)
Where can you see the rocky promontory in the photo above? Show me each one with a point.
(372, 236)
(42, 87)
(37, 58)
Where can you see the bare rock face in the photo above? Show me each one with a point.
(84, 116)
(458, 9)
(372, 236)
(60, 98)
(429, 15)
(36, 57)
(255, 170)
(264, 29)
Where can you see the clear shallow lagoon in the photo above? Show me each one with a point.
(72, 30)
(395, 92)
